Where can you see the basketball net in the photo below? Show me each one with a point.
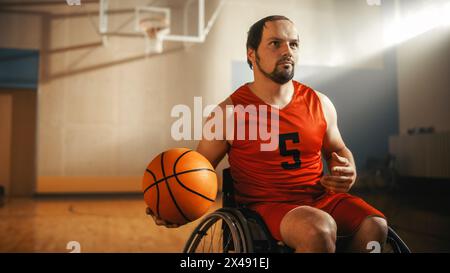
(154, 29)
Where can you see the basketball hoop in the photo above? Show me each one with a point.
(154, 29)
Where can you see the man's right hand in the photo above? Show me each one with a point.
(159, 221)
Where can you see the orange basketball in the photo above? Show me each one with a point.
(179, 185)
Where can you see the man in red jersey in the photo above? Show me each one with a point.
(302, 207)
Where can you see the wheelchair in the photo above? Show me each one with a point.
(237, 229)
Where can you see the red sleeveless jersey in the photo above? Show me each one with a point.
(293, 170)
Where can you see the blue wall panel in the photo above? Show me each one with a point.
(19, 68)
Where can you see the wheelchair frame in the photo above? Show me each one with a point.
(248, 231)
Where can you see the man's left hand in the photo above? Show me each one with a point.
(343, 174)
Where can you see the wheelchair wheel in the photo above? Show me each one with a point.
(219, 232)
(394, 244)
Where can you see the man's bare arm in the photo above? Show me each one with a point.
(339, 158)
(215, 150)
(333, 141)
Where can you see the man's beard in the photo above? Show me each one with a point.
(280, 76)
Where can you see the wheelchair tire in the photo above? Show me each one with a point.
(238, 229)
(394, 244)
(223, 225)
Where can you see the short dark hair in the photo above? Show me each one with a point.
(254, 34)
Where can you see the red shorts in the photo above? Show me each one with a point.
(347, 210)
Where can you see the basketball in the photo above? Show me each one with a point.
(179, 185)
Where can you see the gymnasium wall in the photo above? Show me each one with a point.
(104, 110)
(423, 80)
(18, 118)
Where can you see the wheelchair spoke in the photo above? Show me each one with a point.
(212, 237)
(220, 243)
(203, 243)
(225, 248)
(218, 238)
(242, 230)
(220, 232)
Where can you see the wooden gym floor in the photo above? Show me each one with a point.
(119, 224)
(99, 224)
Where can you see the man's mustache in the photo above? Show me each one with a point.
(286, 60)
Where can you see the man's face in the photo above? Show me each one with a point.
(277, 53)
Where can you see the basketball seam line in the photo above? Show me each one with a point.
(170, 192)
(157, 191)
(170, 176)
(179, 182)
